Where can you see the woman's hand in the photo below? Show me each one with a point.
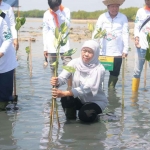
(54, 81)
(56, 93)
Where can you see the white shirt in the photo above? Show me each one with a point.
(8, 60)
(141, 16)
(49, 29)
(10, 18)
(83, 92)
(116, 40)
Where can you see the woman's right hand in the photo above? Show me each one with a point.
(54, 81)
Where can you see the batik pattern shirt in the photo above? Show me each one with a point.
(116, 40)
(10, 18)
(8, 60)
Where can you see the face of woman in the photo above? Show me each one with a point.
(87, 54)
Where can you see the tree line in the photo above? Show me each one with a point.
(129, 12)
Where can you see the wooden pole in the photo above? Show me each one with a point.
(123, 78)
(30, 58)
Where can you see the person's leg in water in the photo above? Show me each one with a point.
(113, 78)
(70, 106)
(6, 88)
(138, 67)
(89, 112)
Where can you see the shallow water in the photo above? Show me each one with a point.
(28, 128)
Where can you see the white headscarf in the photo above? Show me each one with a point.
(93, 68)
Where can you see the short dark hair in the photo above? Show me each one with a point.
(54, 3)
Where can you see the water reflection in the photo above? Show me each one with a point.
(6, 128)
(29, 128)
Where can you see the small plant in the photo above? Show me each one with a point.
(28, 52)
(99, 34)
(147, 56)
(60, 40)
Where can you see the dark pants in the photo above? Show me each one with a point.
(87, 112)
(117, 66)
(6, 86)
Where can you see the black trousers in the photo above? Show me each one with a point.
(87, 112)
(117, 66)
(6, 86)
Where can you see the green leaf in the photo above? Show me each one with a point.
(63, 28)
(56, 32)
(64, 41)
(19, 22)
(27, 49)
(148, 38)
(70, 52)
(18, 25)
(147, 56)
(90, 27)
(69, 69)
(22, 20)
(55, 64)
(97, 35)
(0, 11)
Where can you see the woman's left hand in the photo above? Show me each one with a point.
(56, 93)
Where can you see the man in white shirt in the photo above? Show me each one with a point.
(141, 30)
(54, 17)
(116, 41)
(10, 19)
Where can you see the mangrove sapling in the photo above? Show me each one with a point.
(147, 58)
(19, 23)
(29, 57)
(60, 40)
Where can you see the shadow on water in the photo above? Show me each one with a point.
(28, 128)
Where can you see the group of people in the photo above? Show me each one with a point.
(86, 94)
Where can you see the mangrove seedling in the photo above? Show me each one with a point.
(147, 56)
(60, 40)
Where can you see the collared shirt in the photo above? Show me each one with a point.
(141, 16)
(10, 18)
(116, 40)
(8, 60)
(83, 92)
(49, 30)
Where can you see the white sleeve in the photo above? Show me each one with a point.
(125, 36)
(5, 36)
(137, 24)
(45, 32)
(12, 23)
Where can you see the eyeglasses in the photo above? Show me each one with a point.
(87, 51)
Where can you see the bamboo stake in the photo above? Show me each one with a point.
(123, 67)
(145, 75)
(30, 58)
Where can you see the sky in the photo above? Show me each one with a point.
(75, 5)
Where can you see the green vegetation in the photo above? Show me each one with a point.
(129, 12)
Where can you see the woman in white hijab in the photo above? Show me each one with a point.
(86, 94)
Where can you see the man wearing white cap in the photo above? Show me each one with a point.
(116, 41)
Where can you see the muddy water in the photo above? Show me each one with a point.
(28, 128)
